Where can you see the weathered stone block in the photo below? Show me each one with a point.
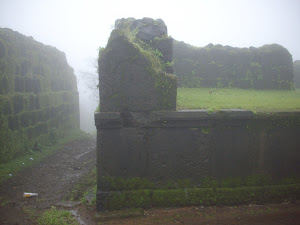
(132, 77)
(7, 106)
(31, 102)
(127, 147)
(36, 86)
(178, 153)
(29, 85)
(2, 49)
(19, 84)
(36, 102)
(25, 119)
(18, 104)
(13, 122)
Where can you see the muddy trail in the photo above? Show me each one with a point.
(53, 179)
(57, 175)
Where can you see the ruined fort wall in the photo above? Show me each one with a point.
(38, 93)
(217, 66)
(143, 143)
(297, 73)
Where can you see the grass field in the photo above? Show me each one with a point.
(228, 98)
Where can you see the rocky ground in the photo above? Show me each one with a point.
(55, 177)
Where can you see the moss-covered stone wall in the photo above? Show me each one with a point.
(38, 93)
(144, 145)
(195, 149)
(297, 73)
(267, 67)
(135, 72)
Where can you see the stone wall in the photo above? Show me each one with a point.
(216, 66)
(195, 144)
(188, 147)
(140, 135)
(297, 73)
(134, 68)
(38, 93)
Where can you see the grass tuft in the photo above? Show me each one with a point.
(54, 216)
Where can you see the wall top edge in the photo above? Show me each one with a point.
(194, 113)
(181, 118)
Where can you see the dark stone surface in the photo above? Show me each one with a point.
(109, 120)
(19, 84)
(18, 104)
(165, 46)
(34, 79)
(234, 152)
(281, 154)
(193, 144)
(214, 66)
(149, 29)
(125, 149)
(178, 153)
(101, 200)
(182, 118)
(296, 66)
(148, 33)
(29, 85)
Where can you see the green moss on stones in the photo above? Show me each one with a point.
(120, 184)
(140, 192)
(202, 196)
(296, 66)
(139, 183)
(125, 50)
(2, 49)
(215, 66)
(38, 90)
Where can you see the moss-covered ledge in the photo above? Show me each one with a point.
(202, 196)
(196, 118)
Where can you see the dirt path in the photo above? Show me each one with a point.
(52, 179)
(270, 214)
(55, 177)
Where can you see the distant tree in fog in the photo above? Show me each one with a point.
(90, 80)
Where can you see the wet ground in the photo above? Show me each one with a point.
(271, 214)
(55, 177)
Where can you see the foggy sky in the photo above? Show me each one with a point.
(80, 27)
